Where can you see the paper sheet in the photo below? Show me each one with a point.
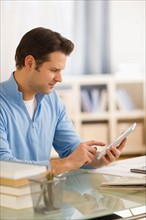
(122, 167)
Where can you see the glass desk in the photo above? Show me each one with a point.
(83, 199)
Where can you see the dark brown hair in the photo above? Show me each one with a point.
(39, 43)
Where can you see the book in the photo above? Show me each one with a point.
(16, 202)
(12, 182)
(126, 182)
(20, 190)
(103, 100)
(15, 191)
(16, 171)
(113, 189)
(124, 101)
(95, 99)
(86, 102)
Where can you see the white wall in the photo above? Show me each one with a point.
(127, 30)
(18, 17)
(127, 34)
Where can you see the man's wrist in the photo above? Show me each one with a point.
(60, 165)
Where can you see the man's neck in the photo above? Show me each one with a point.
(23, 87)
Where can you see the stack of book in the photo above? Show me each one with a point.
(15, 190)
(124, 100)
(94, 100)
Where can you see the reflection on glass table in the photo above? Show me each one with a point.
(83, 196)
(83, 199)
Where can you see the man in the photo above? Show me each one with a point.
(33, 117)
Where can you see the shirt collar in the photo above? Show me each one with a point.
(11, 90)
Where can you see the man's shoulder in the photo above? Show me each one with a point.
(3, 87)
(4, 84)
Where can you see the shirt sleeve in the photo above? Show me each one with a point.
(66, 138)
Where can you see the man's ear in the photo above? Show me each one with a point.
(29, 62)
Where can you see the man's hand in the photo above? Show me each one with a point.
(111, 155)
(85, 153)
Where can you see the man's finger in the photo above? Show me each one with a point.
(96, 143)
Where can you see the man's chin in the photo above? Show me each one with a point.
(48, 91)
(45, 91)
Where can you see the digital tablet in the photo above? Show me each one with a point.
(118, 140)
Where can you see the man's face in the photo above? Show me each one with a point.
(44, 79)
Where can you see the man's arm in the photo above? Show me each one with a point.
(82, 155)
(86, 153)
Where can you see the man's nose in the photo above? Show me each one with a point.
(58, 77)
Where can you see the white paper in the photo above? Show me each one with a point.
(122, 167)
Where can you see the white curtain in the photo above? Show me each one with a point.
(83, 21)
(90, 35)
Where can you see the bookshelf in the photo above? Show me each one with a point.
(92, 103)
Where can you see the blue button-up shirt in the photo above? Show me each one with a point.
(23, 139)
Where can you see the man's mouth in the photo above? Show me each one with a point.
(51, 85)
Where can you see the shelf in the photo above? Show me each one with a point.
(136, 114)
(94, 116)
(108, 122)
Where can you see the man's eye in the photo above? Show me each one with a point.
(54, 71)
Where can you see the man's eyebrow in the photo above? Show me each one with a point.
(54, 68)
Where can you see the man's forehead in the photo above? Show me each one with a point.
(56, 55)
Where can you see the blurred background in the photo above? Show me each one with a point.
(109, 35)
(108, 62)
